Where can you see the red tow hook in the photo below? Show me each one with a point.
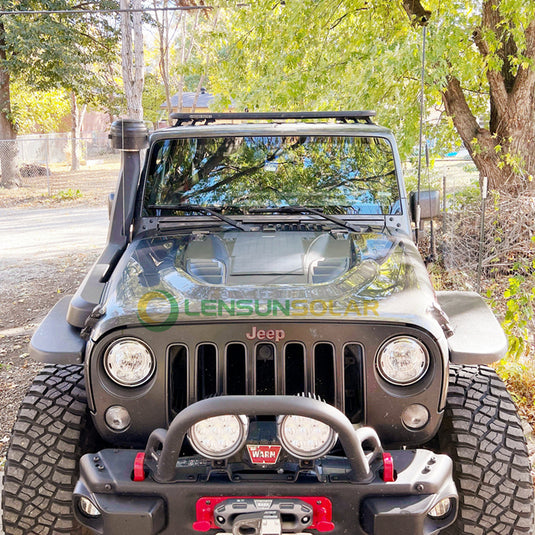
(139, 467)
(388, 468)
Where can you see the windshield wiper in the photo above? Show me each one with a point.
(198, 208)
(306, 210)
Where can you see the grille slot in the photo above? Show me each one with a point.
(236, 370)
(294, 369)
(324, 376)
(265, 369)
(178, 383)
(206, 371)
(353, 382)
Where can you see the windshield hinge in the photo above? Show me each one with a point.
(199, 235)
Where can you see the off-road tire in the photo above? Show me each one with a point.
(482, 433)
(49, 436)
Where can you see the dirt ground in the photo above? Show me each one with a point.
(50, 260)
(27, 294)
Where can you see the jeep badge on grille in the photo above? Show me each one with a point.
(262, 334)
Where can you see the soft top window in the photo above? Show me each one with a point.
(344, 175)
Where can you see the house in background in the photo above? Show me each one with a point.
(202, 105)
(191, 103)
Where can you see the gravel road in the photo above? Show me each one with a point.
(44, 253)
(30, 235)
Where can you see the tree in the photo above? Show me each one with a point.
(504, 45)
(47, 51)
(8, 150)
(38, 111)
(132, 57)
(180, 61)
(317, 54)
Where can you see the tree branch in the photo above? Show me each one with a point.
(418, 15)
(500, 97)
(463, 118)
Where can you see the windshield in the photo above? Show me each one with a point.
(342, 175)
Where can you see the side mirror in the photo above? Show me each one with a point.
(111, 199)
(429, 204)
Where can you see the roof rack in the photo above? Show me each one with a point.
(207, 118)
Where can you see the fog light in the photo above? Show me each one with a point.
(415, 416)
(442, 509)
(219, 437)
(89, 508)
(118, 418)
(305, 438)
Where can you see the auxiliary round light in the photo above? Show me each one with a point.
(305, 438)
(402, 361)
(88, 508)
(118, 418)
(219, 437)
(415, 416)
(129, 362)
(442, 509)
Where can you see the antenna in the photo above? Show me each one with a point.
(422, 111)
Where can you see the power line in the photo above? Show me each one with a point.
(92, 11)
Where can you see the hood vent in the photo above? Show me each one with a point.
(327, 270)
(209, 271)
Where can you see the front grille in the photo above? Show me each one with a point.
(331, 371)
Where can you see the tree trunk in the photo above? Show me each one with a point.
(75, 156)
(8, 145)
(163, 35)
(77, 119)
(132, 58)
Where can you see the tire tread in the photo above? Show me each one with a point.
(483, 434)
(42, 460)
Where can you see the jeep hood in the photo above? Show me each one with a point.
(271, 275)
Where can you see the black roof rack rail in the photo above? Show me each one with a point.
(206, 118)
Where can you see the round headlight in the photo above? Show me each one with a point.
(305, 438)
(219, 437)
(403, 361)
(129, 362)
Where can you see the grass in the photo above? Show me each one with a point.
(90, 185)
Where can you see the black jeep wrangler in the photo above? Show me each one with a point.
(259, 351)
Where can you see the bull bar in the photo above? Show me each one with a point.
(166, 500)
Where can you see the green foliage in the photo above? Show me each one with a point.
(153, 97)
(316, 54)
(466, 198)
(52, 51)
(38, 111)
(517, 369)
(520, 302)
(67, 194)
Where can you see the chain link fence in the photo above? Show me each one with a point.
(44, 163)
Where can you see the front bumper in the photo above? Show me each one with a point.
(177, 494)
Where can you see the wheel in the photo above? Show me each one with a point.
(50, 434)
(482, 433)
